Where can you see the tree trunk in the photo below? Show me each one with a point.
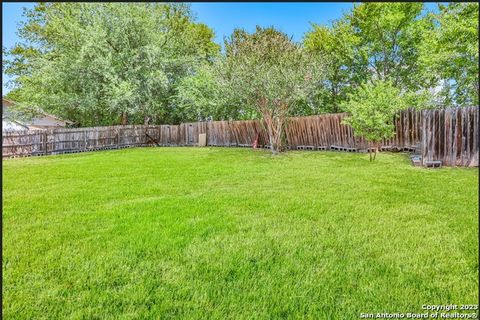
(124, 118)
(274, 120)
(370, 150)
(146, 119)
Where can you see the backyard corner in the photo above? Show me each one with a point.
(230, 232)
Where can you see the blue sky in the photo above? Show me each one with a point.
(292, 18)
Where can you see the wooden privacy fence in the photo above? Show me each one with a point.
(451, 136)
(448, 135)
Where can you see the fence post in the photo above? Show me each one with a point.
(45, 142)
(206, 133)
(117, 137)
(159, 134)
(84, 140)
(423, 135)
(54, 142)
(169, 140)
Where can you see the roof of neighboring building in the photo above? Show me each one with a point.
(56, 118)
(38, 119)
(12, 125)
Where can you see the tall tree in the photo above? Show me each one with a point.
(374, 41)
(99, 63)
(390, 35)
(449, 54)
(199, 97)
(335, 45)
(270, 73)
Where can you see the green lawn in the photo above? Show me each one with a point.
(225, 233)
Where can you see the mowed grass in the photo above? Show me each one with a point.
(218, 233)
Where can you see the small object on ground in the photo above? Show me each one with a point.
(390, 148)
(322, 148)
(309, 148)
(255, 142)
(300, 147)
(416, 160)
(340, 148)
(202, 140)
(336, 148)
(433, 164)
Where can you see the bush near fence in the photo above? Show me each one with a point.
(448, 135)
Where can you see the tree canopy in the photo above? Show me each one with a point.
(93, 63)
(268, 74)
(372, 108)
(449, 54)
(108, 63)
(433, 55)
